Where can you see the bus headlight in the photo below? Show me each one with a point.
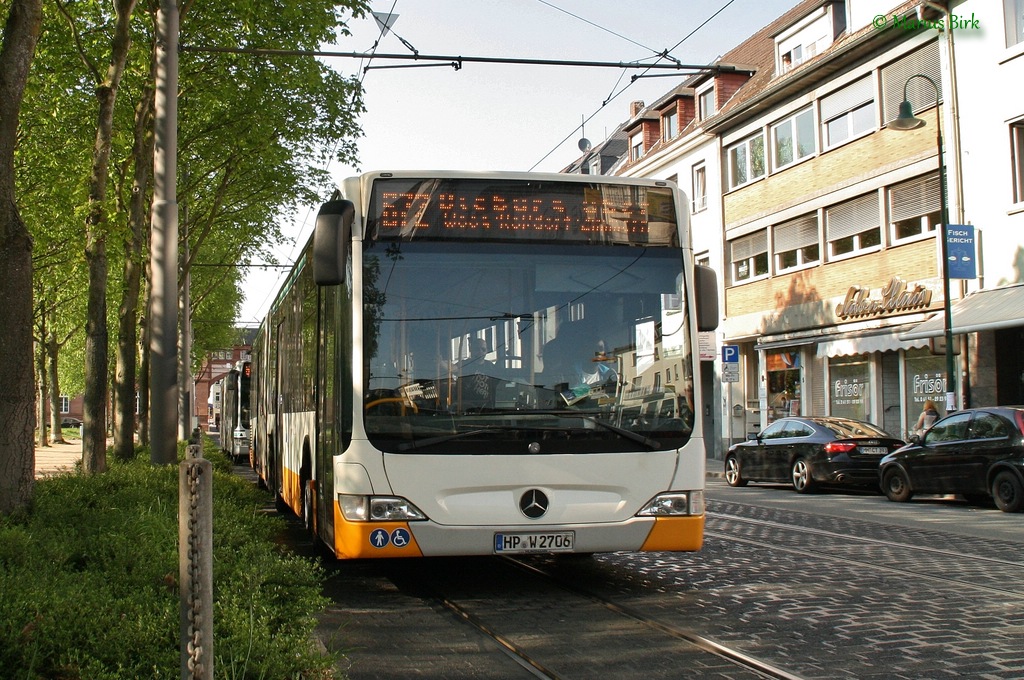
(674, 504)
(378, 509)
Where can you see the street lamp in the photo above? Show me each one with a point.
(906, 120)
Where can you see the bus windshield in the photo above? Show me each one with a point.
(474, 347)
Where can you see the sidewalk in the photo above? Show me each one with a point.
(56, 458)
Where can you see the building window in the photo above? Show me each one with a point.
(1013, 13)
(1017, 149)
(848, 113)
(915, 207)
(746, 161)
(920, 93)
(793, 139)
(669, 125)
(706, 103)
(796, 243)
(595, 165)
(853, 227)
(749, 256)
(700, 188)
(65, 404)
(636, 146)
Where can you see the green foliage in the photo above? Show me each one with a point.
(90, 582)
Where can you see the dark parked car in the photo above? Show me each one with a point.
(810, 451)
(70, 422)
(977, 453)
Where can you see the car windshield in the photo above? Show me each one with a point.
(470, 345)
(852, 428)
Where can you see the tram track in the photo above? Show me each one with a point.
(736, 657)
(828, 552)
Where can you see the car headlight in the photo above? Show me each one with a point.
(378, 509)
(674, 504)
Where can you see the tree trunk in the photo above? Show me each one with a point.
(17, 419)
(126, 380)
(52, 351)
(94, 443)
(41, 389)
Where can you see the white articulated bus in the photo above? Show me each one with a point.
(445, 371)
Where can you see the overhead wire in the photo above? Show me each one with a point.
(330, 158)
(614, 95)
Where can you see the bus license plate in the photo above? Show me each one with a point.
(534, 542)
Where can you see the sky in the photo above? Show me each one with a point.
(510, 116)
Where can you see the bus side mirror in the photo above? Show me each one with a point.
(331, 238)
(705, 283)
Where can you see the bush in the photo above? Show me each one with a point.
(90, 582)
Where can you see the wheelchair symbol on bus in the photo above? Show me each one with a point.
(400, 538)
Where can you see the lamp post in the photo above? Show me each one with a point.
(906, 120)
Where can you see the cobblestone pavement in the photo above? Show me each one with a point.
(817, 595)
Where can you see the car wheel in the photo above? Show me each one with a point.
(1008, 492)
(803, 482)
(896, 485)
(733, 474)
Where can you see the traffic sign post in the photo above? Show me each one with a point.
(730, 363)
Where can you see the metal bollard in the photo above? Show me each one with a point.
(195, 564)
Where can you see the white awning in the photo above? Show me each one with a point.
(983, 310)
(842, 347)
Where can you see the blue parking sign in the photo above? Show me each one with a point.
(730, 354)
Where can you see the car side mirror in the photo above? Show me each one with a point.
(914, 439)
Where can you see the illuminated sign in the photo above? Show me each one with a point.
(521, 210)
(896, 297)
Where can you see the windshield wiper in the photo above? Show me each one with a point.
(440, 439)
(652, 444)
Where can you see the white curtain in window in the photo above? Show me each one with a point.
(848, 98)
(799, 233)
(919, 93)
(852, 217)
(917, 197)
(748, 246)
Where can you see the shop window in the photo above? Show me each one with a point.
(925, 379)
(848, 113)
(749, 256)
(849, 387)
(853, 227)
(915, 207)
(783, 384)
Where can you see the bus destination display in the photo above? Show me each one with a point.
(521, 210)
